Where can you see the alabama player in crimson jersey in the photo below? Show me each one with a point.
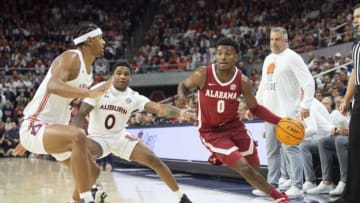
(219, 87)
(108, 116)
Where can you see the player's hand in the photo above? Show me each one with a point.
(100, 90)
(249, 115)
(19, 150)
(344, 106)
(304, 113)
(189, 116)
(182, 102)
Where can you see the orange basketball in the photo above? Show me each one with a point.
(290, 131)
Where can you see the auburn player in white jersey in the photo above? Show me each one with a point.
(44, 129)
(108, 117)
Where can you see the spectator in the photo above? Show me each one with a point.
(8, 110)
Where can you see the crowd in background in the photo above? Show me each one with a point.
(183, 33)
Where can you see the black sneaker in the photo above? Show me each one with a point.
(185, 199)
(98, 193)
(83, 201)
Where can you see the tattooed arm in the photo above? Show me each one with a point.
(78, 119)
(168, 111)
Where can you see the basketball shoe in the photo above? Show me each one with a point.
(283, 199)
(185, 199)
(83, 201)
(98, 193)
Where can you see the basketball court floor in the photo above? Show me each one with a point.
(41, 181)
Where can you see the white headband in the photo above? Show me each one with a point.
(84, 37)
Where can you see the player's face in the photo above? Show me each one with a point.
(278, 43)
(122, 76)
(356, 21)
(98, 45)
(226, 57)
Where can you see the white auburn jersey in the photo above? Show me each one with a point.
(52, 108)
(112, 110)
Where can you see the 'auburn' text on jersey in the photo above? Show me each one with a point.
(218, 102)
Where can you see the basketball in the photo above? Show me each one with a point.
(290, 131)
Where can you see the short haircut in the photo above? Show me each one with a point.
(281, 30)
(122, 63)
(83, 28)
(356, 6)
(225, 41)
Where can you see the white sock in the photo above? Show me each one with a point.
(73, 201)
(86, 196)
(179, 194)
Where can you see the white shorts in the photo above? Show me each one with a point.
(121, 144)
(31, 137)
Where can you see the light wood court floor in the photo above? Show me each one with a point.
(41, 181)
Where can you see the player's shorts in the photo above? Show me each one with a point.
(120, 144)
(31, 137)
(230, 143)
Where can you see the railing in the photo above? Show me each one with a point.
(333, 69)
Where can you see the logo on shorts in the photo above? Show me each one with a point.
(128, 100)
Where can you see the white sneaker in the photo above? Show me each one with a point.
(286, 185)
(308, 185)
(338, 190)
(258, 193)
(282, 180)
(294, 192)
(321, 189)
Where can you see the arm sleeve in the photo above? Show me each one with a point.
(305, 80)
(266, 115)
(260, 91)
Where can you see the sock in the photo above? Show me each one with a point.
(73, 201)
(179, 194)
(86, 196)
(274, 193)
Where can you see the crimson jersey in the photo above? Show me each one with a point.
(218, 102)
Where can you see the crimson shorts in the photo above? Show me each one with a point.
(229, 143)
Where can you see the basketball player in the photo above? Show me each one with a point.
(284, 73)
(350, 194)
(219, 87)
(44, 129)
(108, 117)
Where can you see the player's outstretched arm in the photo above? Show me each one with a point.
(169, 111)
(79, 118)
(258, 110)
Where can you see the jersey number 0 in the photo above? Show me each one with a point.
(109, 121)
(220, 107)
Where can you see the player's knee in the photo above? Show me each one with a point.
(79, 137)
